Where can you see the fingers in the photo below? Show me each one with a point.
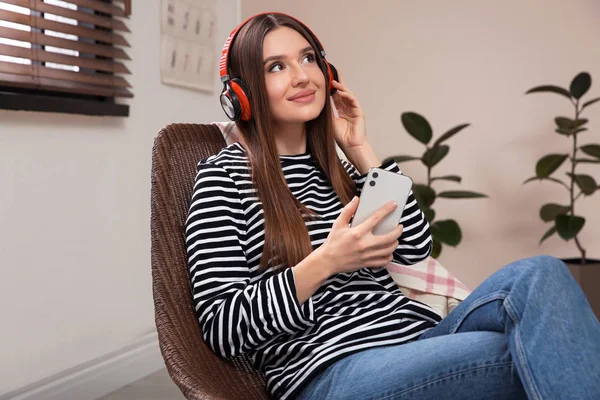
(389, 239)
(343, 220)
(377, 217)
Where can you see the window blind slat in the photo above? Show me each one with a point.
(47, 56)
(40, 38)
(100, 6)
(43, 23)
(45, 72)
(97, 20)
(29, 82)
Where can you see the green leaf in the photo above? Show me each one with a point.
(568, 226)
(564, 123)
(461, 194)
(417, 126)
(400, 159)
(447, 232)
(580, 84)
(589, 103)
(549, 211)
(550, 232)
(535, 178)
(424, 195)
(563, 131)
(548, 164)
(435, 155)
(586, 183)
(555, 180)
(429, 214)
(436, 249)
(587, 161)
(454, 178)
(551, 89)
(578, 130)
(450, 133)
(591, 150)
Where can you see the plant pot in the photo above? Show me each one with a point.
(588, 277)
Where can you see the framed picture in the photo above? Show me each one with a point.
(187, 52)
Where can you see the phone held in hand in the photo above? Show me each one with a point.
(380, 188)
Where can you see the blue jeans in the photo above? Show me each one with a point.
(526, 332)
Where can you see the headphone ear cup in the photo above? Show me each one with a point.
(241, 91)
(333, 75)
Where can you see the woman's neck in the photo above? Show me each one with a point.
(290, 139)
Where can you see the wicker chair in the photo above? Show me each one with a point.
(199, 373)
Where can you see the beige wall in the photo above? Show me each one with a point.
(470, 61)
(75, 217)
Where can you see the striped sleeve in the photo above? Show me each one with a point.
(415, 243)
(235, 314)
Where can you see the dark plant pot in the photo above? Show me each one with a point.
(588, 277)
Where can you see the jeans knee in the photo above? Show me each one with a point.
(548, 266)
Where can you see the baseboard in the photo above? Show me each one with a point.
(98, 377)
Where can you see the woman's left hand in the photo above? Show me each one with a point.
(350, 128)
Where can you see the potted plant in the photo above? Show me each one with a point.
(563, 216)
(445, 231)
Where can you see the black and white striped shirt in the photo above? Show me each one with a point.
(242, 310)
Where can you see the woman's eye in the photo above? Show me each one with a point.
(309, 58)
(276, 68)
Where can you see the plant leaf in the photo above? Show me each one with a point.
(435, 154)
(400, 159)
(551, 89)
(563, 131)
(550, 232)
(580, 84)
(450, 133)
(580, 122)
(587, 161)
(586, 183)
(429, 214)
(578, 130)
(589, 103)
(436, 249)
(424, 195)
(447, 232)
(555, 180)
(461, 194)
(535, 178)
(550, 211)
(564, 123)
(568, 226)
(417, 126)
(454, 178)
(591, 150)
(548, 164)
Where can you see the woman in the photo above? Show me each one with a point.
(278, 274)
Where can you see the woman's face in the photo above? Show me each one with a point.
(295, 83)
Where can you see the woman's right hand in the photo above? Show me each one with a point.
(349, 249)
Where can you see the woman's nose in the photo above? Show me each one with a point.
(299, 75)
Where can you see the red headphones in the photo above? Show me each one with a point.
(234, 98)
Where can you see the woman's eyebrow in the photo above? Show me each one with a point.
(279, 57)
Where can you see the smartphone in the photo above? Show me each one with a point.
(380, 188)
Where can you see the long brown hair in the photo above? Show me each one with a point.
(286, 237)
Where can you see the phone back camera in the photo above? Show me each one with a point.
(372, 183)
(375, 174)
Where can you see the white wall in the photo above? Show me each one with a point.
(470, 61)
(75, 216)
